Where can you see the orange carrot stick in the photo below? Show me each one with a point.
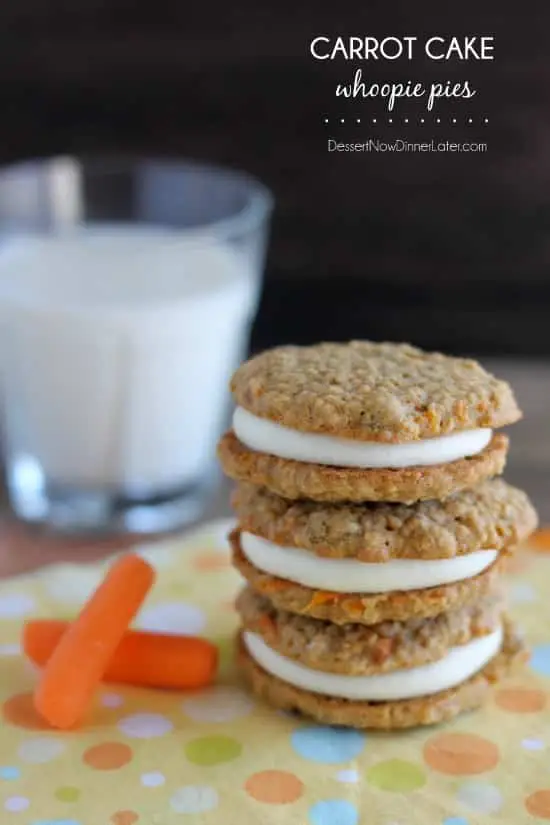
(142, 658)
(81, 658)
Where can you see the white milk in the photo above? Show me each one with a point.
(116, 348)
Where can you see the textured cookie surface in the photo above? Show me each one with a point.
(319, 482)
(356, 649)
(407, 713)
(493, 515)
(342, 608)
(372, 392)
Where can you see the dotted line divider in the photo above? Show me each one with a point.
(422, 121)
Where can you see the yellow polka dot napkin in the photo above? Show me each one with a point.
(220, 756)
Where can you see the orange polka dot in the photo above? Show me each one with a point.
(108, 756)
(19, 710)
(460, 754)
(124, 818)
(540, 541)
(538, 804)
(274, 787)
(211, 561)
(521, 700)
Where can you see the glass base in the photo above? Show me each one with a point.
(69, 510)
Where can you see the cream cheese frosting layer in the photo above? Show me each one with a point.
(351, 576)
(458, 665)
(266, 436)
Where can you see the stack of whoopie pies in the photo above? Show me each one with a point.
(372, 531)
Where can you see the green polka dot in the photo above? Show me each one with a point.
(67, 794)
(396, 775)
(179, 589)
(211, 750)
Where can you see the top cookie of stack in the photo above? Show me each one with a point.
(363, 421)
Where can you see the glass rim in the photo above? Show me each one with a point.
(257, 210)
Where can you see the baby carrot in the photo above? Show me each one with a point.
(80, 659)
(142, 658)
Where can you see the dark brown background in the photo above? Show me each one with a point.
(450, 251)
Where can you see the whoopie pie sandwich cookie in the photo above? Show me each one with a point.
(366, 422)
(460, 680)
(374, 562)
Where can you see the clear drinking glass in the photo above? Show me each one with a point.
(127, 290)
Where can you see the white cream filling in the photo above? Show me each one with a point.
(275, 439)
(455, 667)
(351, 576)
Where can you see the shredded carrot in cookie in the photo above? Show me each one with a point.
(354, 606)
(267, 626)
(382, 651)
(461, 410)
(323, 597)
(433, 418)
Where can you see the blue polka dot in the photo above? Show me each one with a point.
(333, 812)
(455, 820)
(327, 745)
(540, 659)
(55, 822)
(9, 772)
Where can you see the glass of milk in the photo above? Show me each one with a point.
(127, 290)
